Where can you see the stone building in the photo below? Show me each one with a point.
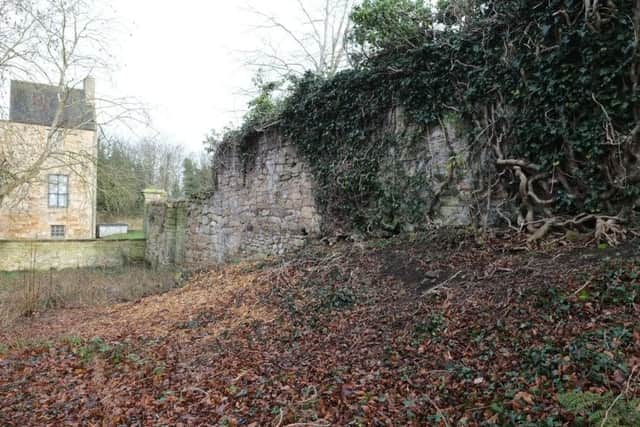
(56, 131)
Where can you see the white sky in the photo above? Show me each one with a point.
(183, 59)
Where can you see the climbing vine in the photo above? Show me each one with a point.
(547, 92)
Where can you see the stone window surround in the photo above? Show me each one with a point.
(56, 191)
(58, 231)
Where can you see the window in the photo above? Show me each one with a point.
(57, 231)
(58, 191)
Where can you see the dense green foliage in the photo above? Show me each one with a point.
(119, 182)
(549, 89)
(195, 178)
(602, 410)
(189, 177)
(337, 119)
(381, 25)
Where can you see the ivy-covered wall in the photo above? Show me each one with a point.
(423, 178)
(378, 168)
(266, 200)
(547, 97)
(515, 111)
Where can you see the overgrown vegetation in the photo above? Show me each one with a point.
(602, 410)
(547, 93)
(23, 294)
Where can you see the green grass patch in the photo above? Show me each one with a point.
(131, 235)
(601, 410)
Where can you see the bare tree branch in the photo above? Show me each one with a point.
(60, 42)
(317, 39)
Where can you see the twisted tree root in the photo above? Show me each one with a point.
(607, 228)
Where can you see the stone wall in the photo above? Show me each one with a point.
(166, 231)
(46, 255)
(264, 202)
(432, 167)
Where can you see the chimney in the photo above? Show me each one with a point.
(89, 87)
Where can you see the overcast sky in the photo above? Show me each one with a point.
(184, 60)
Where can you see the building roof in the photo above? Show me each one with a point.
(36, 103)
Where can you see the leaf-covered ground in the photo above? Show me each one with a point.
(433, 331)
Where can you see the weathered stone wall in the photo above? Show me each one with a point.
(264, 202)
(263, 205)
(46, 255)
(25, 213)
(433, 167)
(166, 232)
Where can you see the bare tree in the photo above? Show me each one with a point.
(50, 47)
(126, 168)
(17, 46)
(60, 42)
(313, 40)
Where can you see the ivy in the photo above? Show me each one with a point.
(542, 81)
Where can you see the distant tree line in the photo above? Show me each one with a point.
(125, 168)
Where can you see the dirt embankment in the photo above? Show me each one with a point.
(435, 331)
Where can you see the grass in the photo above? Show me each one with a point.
(131, 235)
(27, 293)
(135, 221)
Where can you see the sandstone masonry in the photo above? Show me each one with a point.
(59, 199)
(433, 166)
(263, 204)
(63, 254)
(27, 213)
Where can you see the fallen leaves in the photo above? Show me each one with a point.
(338, 336)
(523, 396)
